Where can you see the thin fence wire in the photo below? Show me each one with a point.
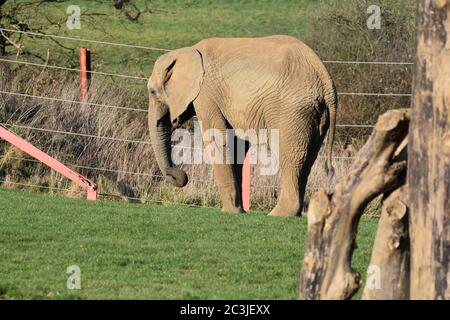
(24, 95)
(355, 125)
(29, 185)
(42, 65)
(156, 201)
(97, 168)
(33, 185)
(75, 133)
(85, 135)
(39, 34)
(87, 167)
(388, 63)
(375, 94)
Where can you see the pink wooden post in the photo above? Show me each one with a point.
(77, 178)
(85, 74)
(246, 182)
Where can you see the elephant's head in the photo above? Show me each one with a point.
(174, 84)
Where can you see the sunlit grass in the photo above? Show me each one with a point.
(138, 251)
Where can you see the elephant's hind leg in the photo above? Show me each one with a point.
(295, 168)
(295, 151)
(290, 202)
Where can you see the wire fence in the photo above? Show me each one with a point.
(5, 158)
(128, 109)
(119, 139)
(369, 94)
(24, 95)
(43, 65)
(39, 34)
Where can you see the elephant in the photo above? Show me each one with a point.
(272, 82)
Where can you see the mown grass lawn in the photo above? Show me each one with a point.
(136, 251)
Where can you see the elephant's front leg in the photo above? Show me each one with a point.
(220, 154)
(227, 183)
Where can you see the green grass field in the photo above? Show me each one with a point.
(136, 251)
(169, 24)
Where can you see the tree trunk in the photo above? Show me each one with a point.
(429, 155)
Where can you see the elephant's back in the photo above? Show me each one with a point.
(261, 49)
(257, 73)
(251, 61)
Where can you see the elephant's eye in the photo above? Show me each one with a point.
(152, 91)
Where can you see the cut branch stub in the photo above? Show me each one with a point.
(388, 274)
(333, 220)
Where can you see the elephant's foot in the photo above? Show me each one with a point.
(286, 211)
(232, 209)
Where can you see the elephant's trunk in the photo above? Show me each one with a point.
(160, 136)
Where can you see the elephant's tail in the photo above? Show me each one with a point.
(331, 101)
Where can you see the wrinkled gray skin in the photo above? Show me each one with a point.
(273, 82)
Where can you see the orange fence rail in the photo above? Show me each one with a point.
(27, 147)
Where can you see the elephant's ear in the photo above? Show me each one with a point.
(183, 76)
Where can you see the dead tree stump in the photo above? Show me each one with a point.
(379, 168)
